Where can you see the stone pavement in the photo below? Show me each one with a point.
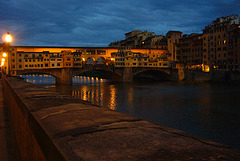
(7, 150)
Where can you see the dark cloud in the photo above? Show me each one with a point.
(99, 22)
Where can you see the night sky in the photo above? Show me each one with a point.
(98, 22)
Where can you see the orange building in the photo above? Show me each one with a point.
(67, 59)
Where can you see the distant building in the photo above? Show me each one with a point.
(151, 42)
(132, 34)
(134, 39)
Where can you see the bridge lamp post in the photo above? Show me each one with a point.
(8, 38)
(83, 62)
(112, 61)
(4, 55)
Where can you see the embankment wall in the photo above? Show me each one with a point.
(51, 126)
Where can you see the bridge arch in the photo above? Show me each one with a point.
(61, 75)
(152, 74)
(26, 72)
(115, 76)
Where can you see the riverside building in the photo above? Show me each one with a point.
(190, 50)
(218, 49)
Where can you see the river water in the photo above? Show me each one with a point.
(211, 111)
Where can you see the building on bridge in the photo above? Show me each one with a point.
(22, 58)
(141, 58)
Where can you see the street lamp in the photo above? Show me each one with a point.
(8, 38)
(4, 55)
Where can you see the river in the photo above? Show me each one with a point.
(211, 111)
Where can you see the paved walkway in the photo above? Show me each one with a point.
(7, 151)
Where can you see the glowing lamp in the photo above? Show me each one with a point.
(8, 38)
(3, 60)
(4, 54)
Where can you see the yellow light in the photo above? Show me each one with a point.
(112, 59)
(3, 60)
(83, 59)
(8, 38)
(4, 54)
(2, 64)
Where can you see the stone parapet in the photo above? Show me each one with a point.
(52, 126)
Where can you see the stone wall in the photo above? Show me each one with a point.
(214, 75)
(223, 75)
(196, 76)
(52, 126)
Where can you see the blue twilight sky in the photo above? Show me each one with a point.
(99, 22)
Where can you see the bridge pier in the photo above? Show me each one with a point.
(127, 74)
(66, 76)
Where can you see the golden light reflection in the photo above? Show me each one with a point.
(112, 103)
(130, 95)
(84, 93)
(101, 96)
(130, 100)
(3, 60)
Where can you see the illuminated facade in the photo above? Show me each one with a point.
(141, 58)
(22, 58)
(56, 60)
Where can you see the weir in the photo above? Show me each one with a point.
(51, 126)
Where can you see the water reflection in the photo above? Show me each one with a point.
(84, 80)
(112, 98)
(38, 79)
(207, 110)
(95, 93)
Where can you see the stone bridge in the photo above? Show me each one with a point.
(65, 75)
